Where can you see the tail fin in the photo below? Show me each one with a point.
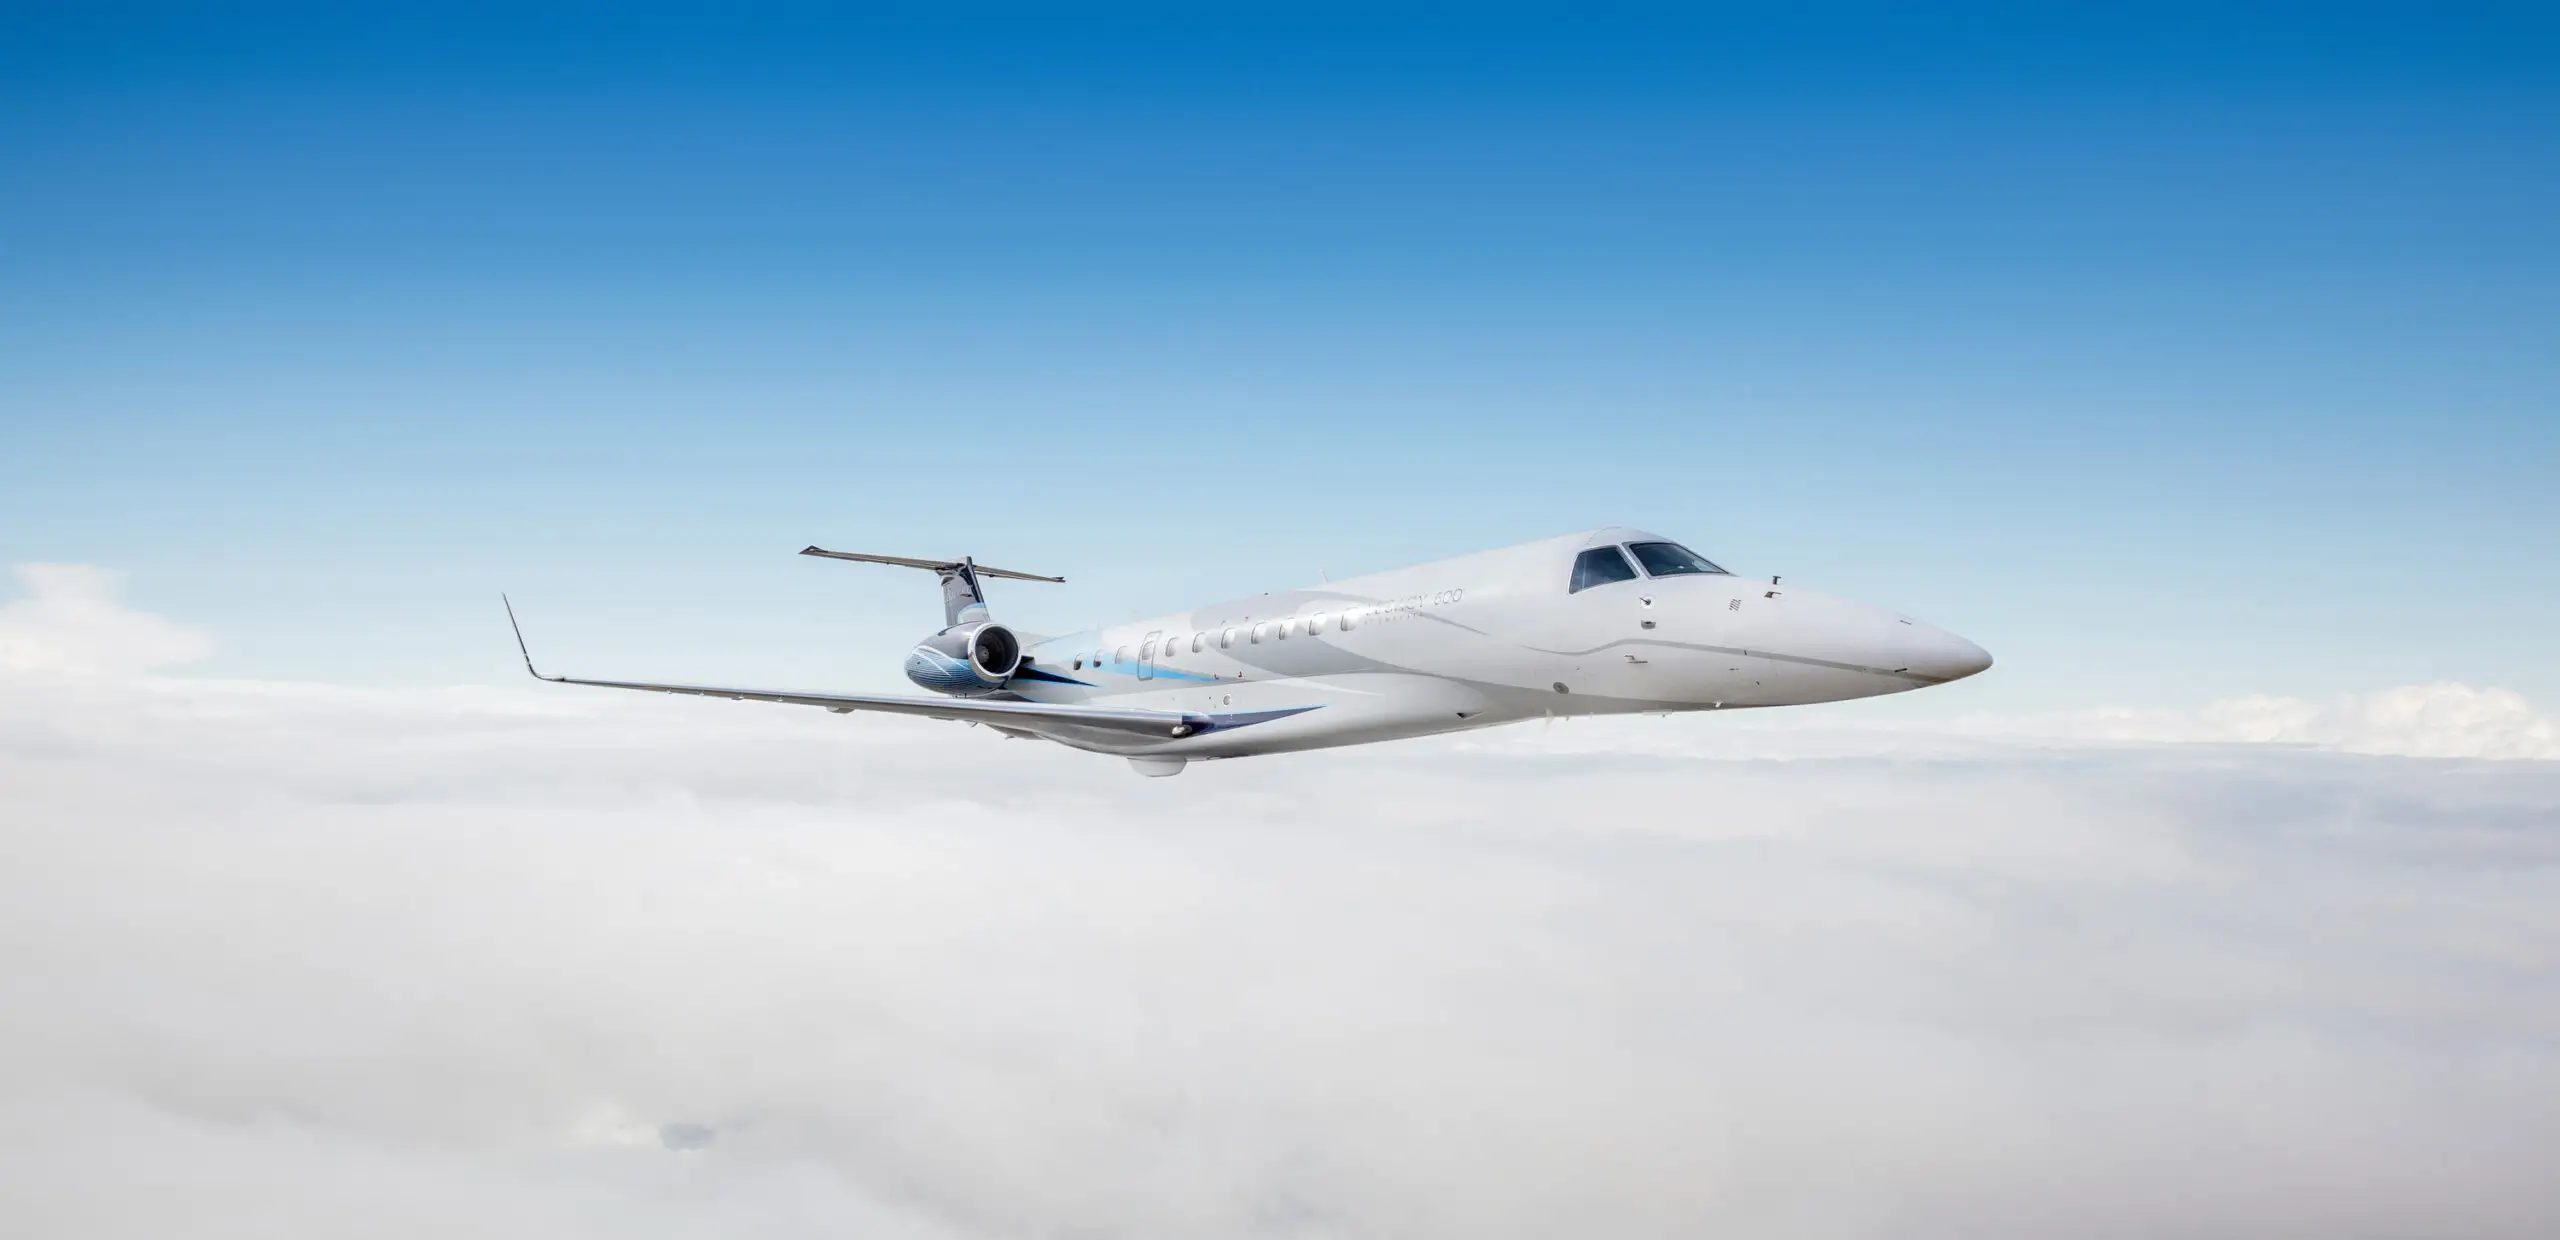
(963, 602)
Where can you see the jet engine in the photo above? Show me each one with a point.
(968, 660)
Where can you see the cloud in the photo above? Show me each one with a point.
(2442, 720)
(308, 959)
(2420, 721)
(72, 621)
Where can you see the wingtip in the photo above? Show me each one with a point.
(518, 629)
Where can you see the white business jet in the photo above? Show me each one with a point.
(1609, 622)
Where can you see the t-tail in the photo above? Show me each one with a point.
(963, 600)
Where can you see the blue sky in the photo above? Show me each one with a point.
(2172, 354)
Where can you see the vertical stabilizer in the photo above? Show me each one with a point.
(962, 601)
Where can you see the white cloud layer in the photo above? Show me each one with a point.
(2428, 721)
(2416, 721)
(303, 960)
(71, 620)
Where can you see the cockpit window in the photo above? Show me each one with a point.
(1598, 567)
(1662, 559)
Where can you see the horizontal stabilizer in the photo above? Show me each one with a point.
(938, 566)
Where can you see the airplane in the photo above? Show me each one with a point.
(1611, 621)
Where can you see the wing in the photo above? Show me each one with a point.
(1041, 718)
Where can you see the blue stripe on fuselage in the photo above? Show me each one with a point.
(1037, 672)
(1130, 670)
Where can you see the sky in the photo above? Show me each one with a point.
(2172, 354)
(294, 958)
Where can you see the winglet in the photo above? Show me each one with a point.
(520, 649)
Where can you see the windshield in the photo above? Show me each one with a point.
(1663, 559)
(1599, 566)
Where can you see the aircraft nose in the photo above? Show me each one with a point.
(1943, 656)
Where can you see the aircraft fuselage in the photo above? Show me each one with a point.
(1485, 639)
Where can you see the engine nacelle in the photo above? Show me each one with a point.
(969, 660)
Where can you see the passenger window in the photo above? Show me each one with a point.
(1662, 559)
(1600, 566)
